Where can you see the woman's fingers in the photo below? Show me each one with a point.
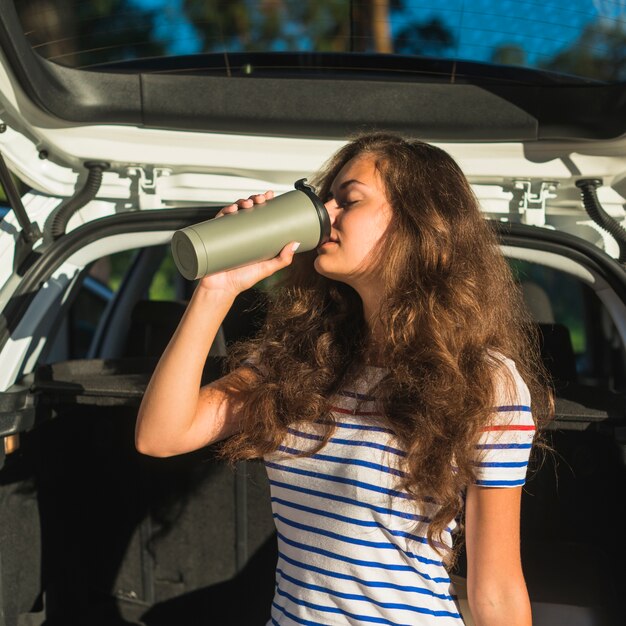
(263, 269)
(246, 203)
(231, 208)
(284, 258)
(242, 278)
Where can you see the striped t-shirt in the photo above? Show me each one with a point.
(352, 548)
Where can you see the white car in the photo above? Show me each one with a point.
(119, 154)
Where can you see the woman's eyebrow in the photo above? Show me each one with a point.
(346, 183)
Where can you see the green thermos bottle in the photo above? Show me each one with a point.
(251, 235)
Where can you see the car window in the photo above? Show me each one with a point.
(100, 281)
(581, 38)
(557, 298)
(554, 298)
(167, 283)
(93, 315)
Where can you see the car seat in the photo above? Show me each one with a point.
(152, 325)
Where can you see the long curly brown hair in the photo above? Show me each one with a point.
(448, 300)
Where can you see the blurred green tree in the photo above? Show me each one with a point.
(323, 26)
(429, 38)
(82, 33)
(509, 55)
(599, 52)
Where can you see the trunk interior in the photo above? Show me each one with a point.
(95, 533)
(113, 536)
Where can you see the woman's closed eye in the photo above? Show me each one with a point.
(347, 202)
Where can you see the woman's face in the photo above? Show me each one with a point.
(359, 215)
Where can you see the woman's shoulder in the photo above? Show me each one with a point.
(509, 386)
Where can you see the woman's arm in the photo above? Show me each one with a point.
(496, 589)
(176, 415)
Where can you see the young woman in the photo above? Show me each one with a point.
(389, 394)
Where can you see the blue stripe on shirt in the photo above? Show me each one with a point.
(359, 503)
(349, 442)
(372, 564)
(341, 518)
(503, 446)
(338, 459)
(361, 598)
(380, 545)
(375, 429)
(337, 611)
(500, 483)
(352, 520)
(378, 509)
(295, 618)
(513, 407)
(365, 583)
(339, 479)
(503, 464)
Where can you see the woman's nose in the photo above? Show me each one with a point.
(333, 209)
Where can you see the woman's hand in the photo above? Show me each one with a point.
(237, 280)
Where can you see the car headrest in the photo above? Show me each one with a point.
(152, 324)
(538, 302)
(557, 353)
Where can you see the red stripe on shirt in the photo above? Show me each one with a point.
(509, 427)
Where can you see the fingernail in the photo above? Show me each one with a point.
(295, 246)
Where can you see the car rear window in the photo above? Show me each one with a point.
(576, 38)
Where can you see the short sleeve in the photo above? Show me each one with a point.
(503, 449)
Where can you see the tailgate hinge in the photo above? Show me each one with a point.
(529, 200)
(144, 188)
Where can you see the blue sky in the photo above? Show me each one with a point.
(541, 27)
